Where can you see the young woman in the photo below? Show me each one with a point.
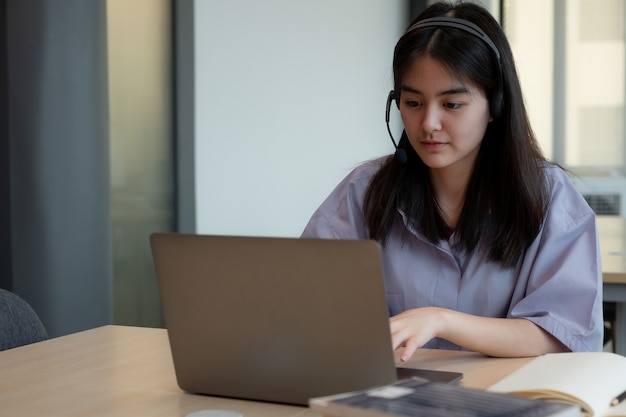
(486, 245)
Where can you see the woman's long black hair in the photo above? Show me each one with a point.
(506, 198)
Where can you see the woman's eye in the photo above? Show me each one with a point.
(413, 103)
(453, 106)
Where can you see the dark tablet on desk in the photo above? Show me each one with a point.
(431, 375)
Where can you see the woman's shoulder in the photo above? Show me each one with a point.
(560, 179)
(566, 201)
(340, 215)
(354, 185)
(554, 170)
(557, 176)
(369, 168)
(363, 173)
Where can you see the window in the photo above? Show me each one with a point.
(570, 58)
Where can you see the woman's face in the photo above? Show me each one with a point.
(445, 118)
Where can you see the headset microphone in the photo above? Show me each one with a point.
(400, 153)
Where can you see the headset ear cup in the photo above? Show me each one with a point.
(496, 105)
(396, 97)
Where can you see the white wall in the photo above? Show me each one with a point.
(290, 96)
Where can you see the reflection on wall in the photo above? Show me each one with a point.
(140, 91)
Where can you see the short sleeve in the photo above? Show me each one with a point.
(562, 292)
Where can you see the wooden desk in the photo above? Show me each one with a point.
(127, 371)
(612, 235)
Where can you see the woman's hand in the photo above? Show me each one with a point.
(414, 328)
(503, 337)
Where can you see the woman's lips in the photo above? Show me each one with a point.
(433, 145)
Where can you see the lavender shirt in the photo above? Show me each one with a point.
(556, 285)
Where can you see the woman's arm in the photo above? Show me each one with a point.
(503, 337)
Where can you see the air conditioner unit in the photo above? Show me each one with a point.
(604, 190)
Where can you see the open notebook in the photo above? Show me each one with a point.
(591, 380)
(275, 319)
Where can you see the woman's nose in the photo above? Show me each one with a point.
(432, 119)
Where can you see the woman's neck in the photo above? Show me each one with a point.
(450, 188)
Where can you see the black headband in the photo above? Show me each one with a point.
(457, 23)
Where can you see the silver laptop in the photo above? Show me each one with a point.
(275, 319)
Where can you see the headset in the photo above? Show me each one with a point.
(496, 103)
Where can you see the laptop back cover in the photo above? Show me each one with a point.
(274, 319)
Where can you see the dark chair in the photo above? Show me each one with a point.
(609, 317)
(19, 323)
